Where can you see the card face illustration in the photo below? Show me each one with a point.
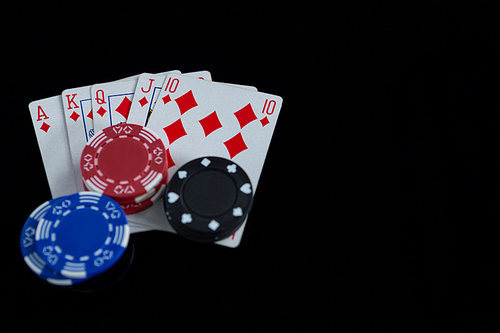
(111, 102)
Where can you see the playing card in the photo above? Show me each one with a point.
(47, 116)
(198, 118)
(146, 92)
(252, 88)
(153, 218)
(63, 124)
(111, 102)
(77, 106)
(79, 116)
(145, 95)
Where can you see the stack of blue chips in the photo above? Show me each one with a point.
(71, 239)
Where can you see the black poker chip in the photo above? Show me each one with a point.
(208, 199)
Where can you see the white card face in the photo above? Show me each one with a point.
(79, 117)
(146, 93)
(63, 124)
(77, 106)
(198, 118)
(239, 86)
(153, 218)
(135, 228)
(47, 116)
(111, 102)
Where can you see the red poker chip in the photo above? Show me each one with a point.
(133, 207)
(151, 195)
(136, 206)
(154, 193)
(124, 162)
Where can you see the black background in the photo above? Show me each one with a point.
(379, 195)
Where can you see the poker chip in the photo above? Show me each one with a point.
(146, 201)
(151, 195)
(109, 277)
(29, 251)
(208, 198)
(125, 162)
(82, 235)
(123, 168)
(134, 207)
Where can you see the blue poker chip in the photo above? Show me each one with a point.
(82, 235)
(30, 254)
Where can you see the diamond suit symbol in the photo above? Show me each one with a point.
(127, 129)
(245, 115)
(102, 111)
(118, 189)
(124, 107)
(166, 99)
(214, 225)
(186, 102)
(235, 145)
(205, 162)
(210, 123)
(45, 127)
(143, 101)
(174, 131)
(264, 121)
(74, 116)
